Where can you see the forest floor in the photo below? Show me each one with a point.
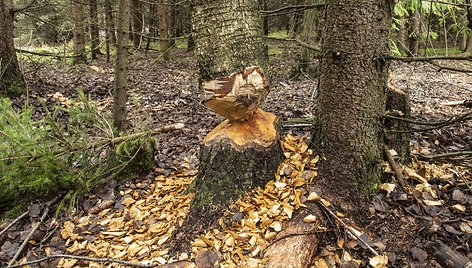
(134, 221)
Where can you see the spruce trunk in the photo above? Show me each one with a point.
(351, 100)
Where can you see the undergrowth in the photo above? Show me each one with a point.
(68, 150)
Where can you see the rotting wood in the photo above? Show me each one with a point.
(448, 257)
(396, 169)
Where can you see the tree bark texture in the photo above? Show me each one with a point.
(468, 46)
(79, 31)
(244, 151)
(399, 141)
(11, 78)
(414, 33)
(228, 37)
(137, 23)
(351, 100)
(110, 22)
(311, 35)
(402, 44)
(94, 33)
(165, 19)
(120, 96)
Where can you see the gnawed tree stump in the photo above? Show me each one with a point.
(241, 153)
(297, 244)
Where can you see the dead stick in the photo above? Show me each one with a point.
(348, 228)
(444, 155)
(395, 167)
(13, 223)
(57, 256)
(36, 226)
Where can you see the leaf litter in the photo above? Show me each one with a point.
(136, 222)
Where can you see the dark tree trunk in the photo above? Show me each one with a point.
(79, 31)
(120, 96)
(351, 101)
(414, 33)
(11, 79)
(110, 23)
(165, 28)
(94, 33)
(137, 23)
(468, 46)
(311, 35)
(191, 39)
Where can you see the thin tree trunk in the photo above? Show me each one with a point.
(311, 35)
(164, 28)
(351, 100)
(110, 23)
(191, 39)
(120, 96)
(414, 35)
(137, 23)
(94, 33)
(468, 47)
(11, 78)
(79, 31)
(402, 44)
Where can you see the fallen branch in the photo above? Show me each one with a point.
(347, 228)
(444, 155)
(31, 233)
(46, 54)
(435, 125)
(466, 103)
(446, 256)
(65, 256)
(427, 59)
(396, 169)
(13, 223)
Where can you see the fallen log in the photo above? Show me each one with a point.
(448, 257)
(297, 244)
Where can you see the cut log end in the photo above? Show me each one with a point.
(259, 130)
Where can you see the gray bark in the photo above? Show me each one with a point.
(120, 96)
(351, 100)
(79, 31)
(414, 33)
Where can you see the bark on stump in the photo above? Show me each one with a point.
(241, 153)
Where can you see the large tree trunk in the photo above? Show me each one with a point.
(120, 96)
(11, 79)
(137, 23)
(94, 33)
(244, 151)
(79, 31)
(351, 100)
(414, 33)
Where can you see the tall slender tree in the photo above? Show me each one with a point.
(165, 20)
(137, 22)
(79, 31)
(351, 100)
(120, 96)
(94, 32)
(11, 78)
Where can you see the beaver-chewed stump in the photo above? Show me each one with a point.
(241, 153)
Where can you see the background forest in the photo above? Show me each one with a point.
(239, 133)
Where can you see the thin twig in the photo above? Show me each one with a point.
(348, 228)
(31, 233)
(444, 155)
(13, 223)
(395, 167)
(428, 58)
(110, 260)
(449, 121)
